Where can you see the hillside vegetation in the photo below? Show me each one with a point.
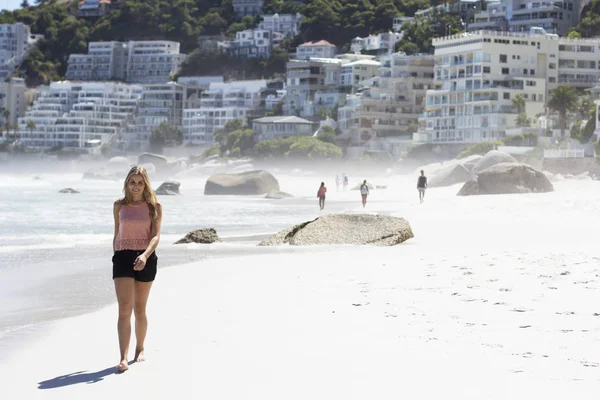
(337, 21)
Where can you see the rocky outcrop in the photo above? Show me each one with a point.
(244, 183)
(205, 235)
(68, 190)
(276, 194)
(450, 175)
(151, 158)
(492, 157)
(168, 188)
(506, 178)
(357, 229)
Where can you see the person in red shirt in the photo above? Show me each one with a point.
(321, 195)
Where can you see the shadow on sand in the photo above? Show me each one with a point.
(76, 377)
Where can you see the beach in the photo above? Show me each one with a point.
(495, 297)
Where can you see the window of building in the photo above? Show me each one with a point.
(532, 72)
(552, 66)
(486, 70)
(503, 58)
(506, 96)
(504, 71)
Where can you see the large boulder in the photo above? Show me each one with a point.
(205, 236)
(450, 175)
(168, 188)
(243, 183)
(151, 158)
(505, 178)
(359, 229)
(492, 157)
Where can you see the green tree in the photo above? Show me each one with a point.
(300, 148)
(31, 126)
(523, 120)
(326, 134)
(324, 114)
(25, 4)
(563, 99)
(163, 136)
(240, 142)
(573, 34)
(518, 103)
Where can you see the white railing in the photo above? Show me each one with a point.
(563, 153)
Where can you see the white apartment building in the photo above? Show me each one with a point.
(12, 98)
(356, 72)
(15, 42)
(221, 103)
(252, 43)
(152, 61)
(492, 19)
(79, 115)
(380, 44)
(247, 7)
(95, 8)
(317, 49)
(477, 77)
(553, 16)
(159, 103)
(309, 85)
(286, 24)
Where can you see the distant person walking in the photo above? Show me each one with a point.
(421, 186)
(138, 216)
(364, 192)
(321, 195)
(337, 182)
(345, 181)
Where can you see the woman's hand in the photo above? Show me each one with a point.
(139, 263)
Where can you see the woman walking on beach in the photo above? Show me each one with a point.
(364, 192)
(321, 195)
(138, 217)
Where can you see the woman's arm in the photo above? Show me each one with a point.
(155, 232)
(116, 208)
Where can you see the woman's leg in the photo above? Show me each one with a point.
(142, 290)
(124, 288)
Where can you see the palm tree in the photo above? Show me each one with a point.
(562, 100)
(31, 126)
(518, 103)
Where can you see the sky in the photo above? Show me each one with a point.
(10, 4)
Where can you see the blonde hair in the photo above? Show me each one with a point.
(148, 194)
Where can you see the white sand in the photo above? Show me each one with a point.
(498, 303)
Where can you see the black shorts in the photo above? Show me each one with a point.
(322, 197)
(123, 265)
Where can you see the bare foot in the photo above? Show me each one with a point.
(123, 366)
(139, 356)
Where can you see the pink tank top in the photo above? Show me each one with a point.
(134, 227)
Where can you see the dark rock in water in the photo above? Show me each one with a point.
(68, 190)
(168, 188)
(506, 178)
(37, 178)
(244, 183)
(205, 235)
(277, 195)
(359, 229)
(449, 175)
(492, 157)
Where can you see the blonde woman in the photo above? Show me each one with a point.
(138, 216)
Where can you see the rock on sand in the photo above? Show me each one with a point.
(205, 235)
(506, 178)
(168, 188)
(244, 183)
(358, 229)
